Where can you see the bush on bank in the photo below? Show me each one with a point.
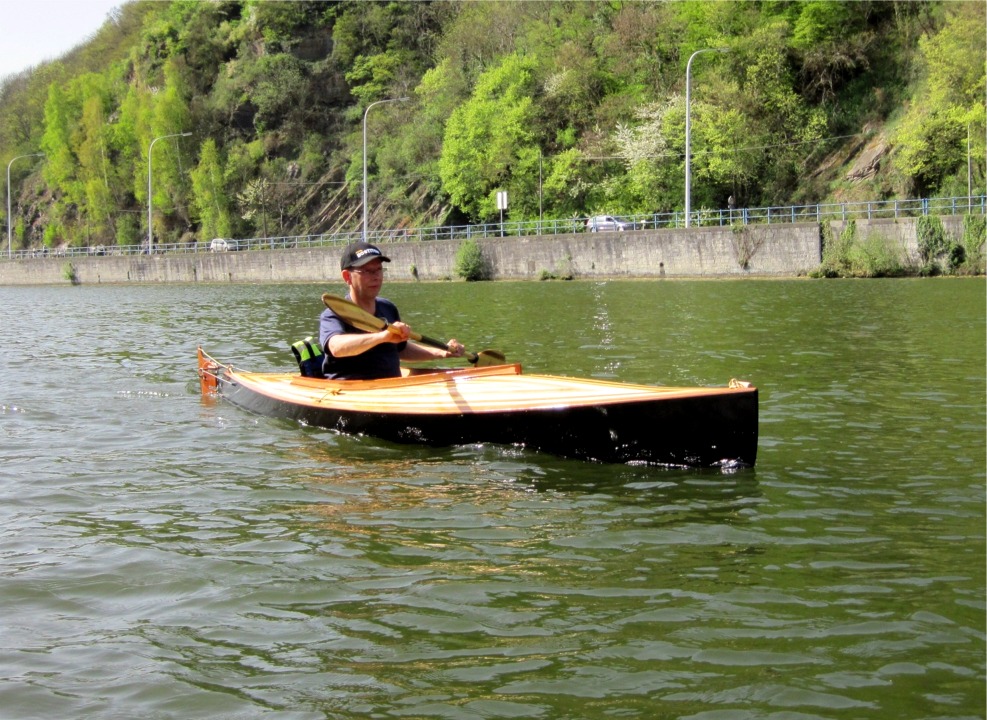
(470, 263)
(849, 255)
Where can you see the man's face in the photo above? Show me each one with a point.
(368, 279)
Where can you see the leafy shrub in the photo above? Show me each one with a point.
(836, 250)
(939, 252)
(851, 256)
(880, 256)
(470, 264)
(932, 239)
(68, 273)
(52, 233)
(974, 232)
(974, 237)
(128, 231)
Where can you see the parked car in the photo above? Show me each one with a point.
(608, 223)
(225, 244)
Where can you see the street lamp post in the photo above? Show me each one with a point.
(688, 129)
(969, 170)
(378, 102)
(149, 195)
(10, 252)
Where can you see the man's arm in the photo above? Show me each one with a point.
(350, 344)
(415, 352)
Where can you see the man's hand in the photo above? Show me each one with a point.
(397, 332)
(455, 348)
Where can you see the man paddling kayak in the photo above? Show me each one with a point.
(354, 355)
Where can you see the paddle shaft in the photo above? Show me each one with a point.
(426, 340)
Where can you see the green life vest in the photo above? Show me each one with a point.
(309, 356)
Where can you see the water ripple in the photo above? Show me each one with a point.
(165, 556)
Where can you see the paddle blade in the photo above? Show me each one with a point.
(353, 314)
(488, 358)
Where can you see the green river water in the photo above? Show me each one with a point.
(162, 556)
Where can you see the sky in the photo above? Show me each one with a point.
(32, 31)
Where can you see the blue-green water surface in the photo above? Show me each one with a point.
(166, 556)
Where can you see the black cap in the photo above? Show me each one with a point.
(359, 254)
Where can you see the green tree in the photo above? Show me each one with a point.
(91, 140)
(125, 147)
(276, 86)
(255, 203)
(566, 185)
(133, 133)
(643, 147)
(440, 91)
(209, 194)
(481, 35)
(489, 140)
(931, 139)
(278, 22)
(371, 76)
(780, 123)
(170, 116)
(835, 40)
(61, 166)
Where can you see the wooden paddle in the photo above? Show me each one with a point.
(362, 320)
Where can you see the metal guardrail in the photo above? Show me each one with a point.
(866, 210)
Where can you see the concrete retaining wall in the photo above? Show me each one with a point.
(740, 251)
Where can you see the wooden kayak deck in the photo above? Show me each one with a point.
(481, 390)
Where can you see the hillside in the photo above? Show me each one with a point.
(572, 107)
